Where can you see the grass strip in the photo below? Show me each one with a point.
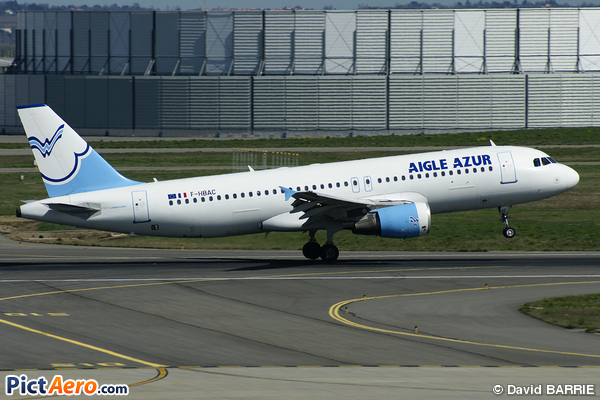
(521, 137)
(571, 312)
(586, 154)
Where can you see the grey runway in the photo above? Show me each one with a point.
(275, 319)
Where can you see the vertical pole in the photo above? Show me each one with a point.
(72, 47)
(517, 64)
(388, 67)
(526, 101)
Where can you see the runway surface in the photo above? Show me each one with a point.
(258, 324)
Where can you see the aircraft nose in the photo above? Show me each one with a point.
(570, 177)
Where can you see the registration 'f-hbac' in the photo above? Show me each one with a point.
(390, 196)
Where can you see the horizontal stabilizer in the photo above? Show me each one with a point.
(83, 211)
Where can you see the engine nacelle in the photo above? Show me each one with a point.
(405, 221)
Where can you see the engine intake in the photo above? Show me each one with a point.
(405, 221)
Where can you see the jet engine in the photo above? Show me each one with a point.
(404, 221)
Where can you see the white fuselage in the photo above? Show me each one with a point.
(235, 204)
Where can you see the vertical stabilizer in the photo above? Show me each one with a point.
(67, 162)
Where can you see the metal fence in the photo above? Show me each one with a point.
(309, 42)
(211, 104)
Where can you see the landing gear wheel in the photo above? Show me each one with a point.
(311, 250)
(329, 253)
(509, 233)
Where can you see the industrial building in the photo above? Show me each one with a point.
(296, 73)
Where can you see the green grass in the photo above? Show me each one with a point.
(522, 137)
(225, 159)
(581, 312)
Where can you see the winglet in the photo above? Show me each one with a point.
(492, 143)
(288, 192)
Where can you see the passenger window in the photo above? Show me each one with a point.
(435, 174)
(403, 177)
(450, 172)
(235, 196)
(466, 170)
(346, 184)
(330, 185)
(195, 199)
(219, 197)
(490, 168)
(210, 198)
(355, 183)
(274, 191)
(187, 201)
(267, 192)
(306, 188)
(242, 195)
(443, 173)
(387, 179)
(170, 202)
(536, 162)
(249, 194)
(297, 190)
(395, 179)
(337, 184)
(378, 180)
(178, 201)
(322, 186)
(482, 169)
(314, 187)
(419, 176)
(203, 199)
(474, 170)
(411, 177)
(258, 192)
(427, 175)
(458, 172)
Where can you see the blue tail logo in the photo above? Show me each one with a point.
(47, 146)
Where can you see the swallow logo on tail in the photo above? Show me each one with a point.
(47, 146)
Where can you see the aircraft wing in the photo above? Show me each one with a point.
(316, 206)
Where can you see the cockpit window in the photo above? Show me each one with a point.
(537, 162)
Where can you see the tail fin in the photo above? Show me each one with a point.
(67, 162)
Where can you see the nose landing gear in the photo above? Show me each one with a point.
(508, 232)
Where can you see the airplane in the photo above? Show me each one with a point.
(390, 197)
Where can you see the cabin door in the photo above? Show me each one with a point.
(140, 206)
(507, 167)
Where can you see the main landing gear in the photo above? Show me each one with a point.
(508, 232)
(312, 250)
